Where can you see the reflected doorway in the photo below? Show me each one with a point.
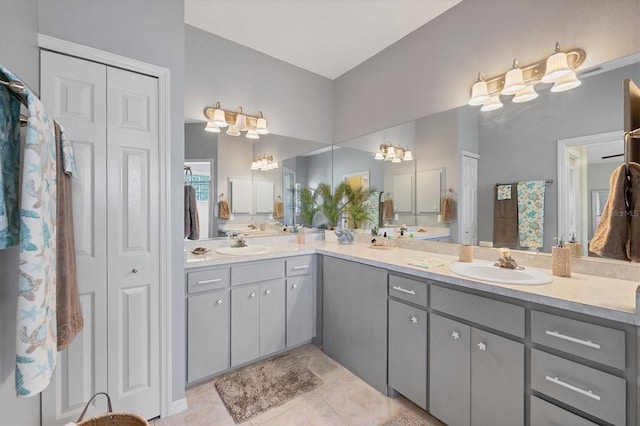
(200, 177)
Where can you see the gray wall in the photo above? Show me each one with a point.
(18, 53)
(432, 69)
(295, 102)
(519, 141)
(146, 30)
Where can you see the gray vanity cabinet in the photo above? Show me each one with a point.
(300, 326)
(272, 317)
(408, 351)
(355, 318)
(474, 375)
(245, 324)
(208, 328)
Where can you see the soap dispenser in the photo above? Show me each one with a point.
(575, 246)
(561, 259)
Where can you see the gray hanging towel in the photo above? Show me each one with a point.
(505, 217)
(191, 219)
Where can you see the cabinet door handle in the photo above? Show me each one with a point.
(267, 292)
(209, 281)
(404, 290)
(482, 346)
(295, 268)
(252, 295)
(218, 302)
(413, 319)
(587, 393)
(294, 286)
(134, 270)
(588, 343)
(455, 335)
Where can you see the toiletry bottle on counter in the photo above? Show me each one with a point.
(466, 253)
(575, 246)
(561, 259)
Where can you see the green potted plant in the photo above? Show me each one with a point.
(358, 209)
(333, 203)
(308, 205)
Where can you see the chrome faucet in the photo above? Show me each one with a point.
(240, 242)
(506, 261)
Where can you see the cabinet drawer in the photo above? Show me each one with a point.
(299, 265)
(590, 341)
(207, 280)
(480, 310)
(409, 290)
(257, 271)
(600, 394)
(544, 413)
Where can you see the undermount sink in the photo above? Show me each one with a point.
(488, 272)
(244, 251)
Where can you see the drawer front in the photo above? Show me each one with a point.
(210, 279)
(257, 271)
(409, 290)
(592, 391)
(299, 265)
(590, 341)
(544, 413)
(480, 310)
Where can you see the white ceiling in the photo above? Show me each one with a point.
(327, 37)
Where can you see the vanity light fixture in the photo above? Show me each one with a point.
(237, 121)
(559, 69)
(395, 154)
(264, 163)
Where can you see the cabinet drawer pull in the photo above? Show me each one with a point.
(588, 343)
(587, 393)
(413, 320)
(404, 290)
(209, 281)
(295, 268)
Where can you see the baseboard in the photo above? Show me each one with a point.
(178, 406)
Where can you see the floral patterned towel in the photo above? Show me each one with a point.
(531, 213)
(36, 346)
(504, 192)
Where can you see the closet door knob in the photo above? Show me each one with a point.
(134, 270)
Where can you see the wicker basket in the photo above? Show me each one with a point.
(111, 418)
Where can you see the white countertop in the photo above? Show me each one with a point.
(608, 298)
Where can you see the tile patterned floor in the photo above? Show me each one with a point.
(342, 399)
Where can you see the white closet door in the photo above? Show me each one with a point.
(133, 223)
(468, 201)
(74, 92)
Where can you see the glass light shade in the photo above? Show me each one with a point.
(396, 160)
(479, 93)
(233, 131)
(274, 165)
(525, 95)
(493, 104)
(254, 165)
(513, 82)
(211, 127)
(407, 155)
(391, 152)
(379, 156)
(252, 134)
(241, 122)
(388, 158)
(566, 83)
(261, 126)
(219, 119)
(557, 68)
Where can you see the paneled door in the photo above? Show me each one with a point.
(468, 202)
(111, 117)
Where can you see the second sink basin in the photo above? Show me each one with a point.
(244, 251)
(488, 272)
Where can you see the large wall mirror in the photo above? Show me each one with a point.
(516, 143)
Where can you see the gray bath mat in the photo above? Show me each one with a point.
(264, 385)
